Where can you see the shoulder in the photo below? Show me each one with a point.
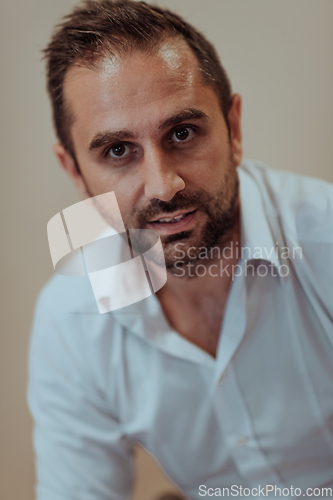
(66, 294)
(70, 335)
(62, 304)
(299, 211)
(303, 205)
(288, 187)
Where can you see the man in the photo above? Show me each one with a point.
(225, 375)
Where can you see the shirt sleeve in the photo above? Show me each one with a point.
(81, 451)
(314, 243)
(315, 236)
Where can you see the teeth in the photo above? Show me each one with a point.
(173, 219)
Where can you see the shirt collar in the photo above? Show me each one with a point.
(257, 241)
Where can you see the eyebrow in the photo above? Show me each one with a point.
(106, 138)
(187, 114)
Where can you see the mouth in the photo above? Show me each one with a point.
(175, 223)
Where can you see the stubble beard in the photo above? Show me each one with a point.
(221, 211)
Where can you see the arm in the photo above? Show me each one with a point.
(81, 451)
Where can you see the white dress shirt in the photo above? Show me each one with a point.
(260, 413)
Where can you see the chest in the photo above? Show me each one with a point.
(199, 321)
(269, 416)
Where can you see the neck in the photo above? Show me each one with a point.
(193, 299)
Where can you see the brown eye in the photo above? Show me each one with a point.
(182, 134)
(118, 150)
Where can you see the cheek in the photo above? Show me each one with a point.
(102, 179)
(211, 164)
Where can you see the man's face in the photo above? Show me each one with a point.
(147, 128)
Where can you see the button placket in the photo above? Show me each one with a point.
(238, 433)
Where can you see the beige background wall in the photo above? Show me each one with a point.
(279, 56)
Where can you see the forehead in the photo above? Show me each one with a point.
(130, 90)
(171, 63)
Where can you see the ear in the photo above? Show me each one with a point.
(67, 162)
(234, 115)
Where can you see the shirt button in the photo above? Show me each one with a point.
(241, 441)
(221, 379)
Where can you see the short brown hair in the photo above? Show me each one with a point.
(105, 27)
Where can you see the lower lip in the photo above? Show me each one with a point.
(166, 228)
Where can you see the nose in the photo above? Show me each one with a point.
(161, 175)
